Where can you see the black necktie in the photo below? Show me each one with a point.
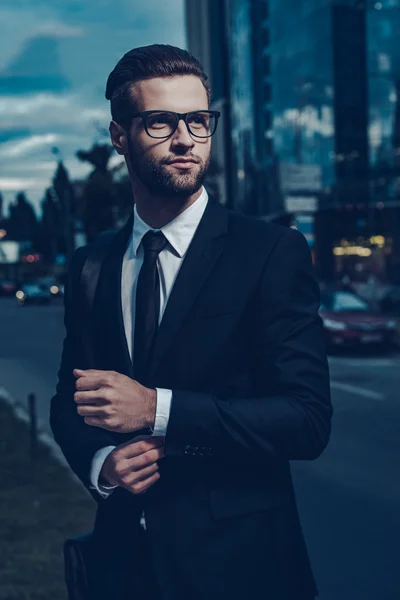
(147, 302)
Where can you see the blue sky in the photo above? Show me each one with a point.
(55, 56)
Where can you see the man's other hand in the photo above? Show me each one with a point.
(133, 465)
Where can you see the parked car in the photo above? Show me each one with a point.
(33, 293)
(390, 301)
(56, 289)
(350, 321)
(390, 307)
(8, 287)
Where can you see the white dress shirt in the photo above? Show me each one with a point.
(179, 232)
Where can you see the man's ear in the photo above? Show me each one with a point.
(118, 138)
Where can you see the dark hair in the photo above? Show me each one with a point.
(147, 62)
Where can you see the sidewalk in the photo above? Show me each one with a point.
(40, 506)
(20, 377)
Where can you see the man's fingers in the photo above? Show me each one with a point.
(153, 453)
(95, 421)
(147, 458)
(90, 373)
(132, 448)
(84, 384)
(98, 378)
(92, 397)
(88, 410)
(142, 474)
(143, 486)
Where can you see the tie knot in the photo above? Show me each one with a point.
(154, 241)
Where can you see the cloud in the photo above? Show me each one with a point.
(15, 184)
(91, 38)
(33, 168)
(57, 29)
(46, 111)
(28, 145)
(12, 106)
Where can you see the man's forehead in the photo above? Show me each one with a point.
(181, 93)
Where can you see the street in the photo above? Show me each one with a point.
(348, 499)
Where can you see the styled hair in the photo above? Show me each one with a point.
(148, 62)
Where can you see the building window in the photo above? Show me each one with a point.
(267, 93)
(268, 119)
(268, 146)
(265, 37)
(267, 64)
(264, 10)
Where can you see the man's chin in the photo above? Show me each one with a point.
(183, 185)
(181, 191)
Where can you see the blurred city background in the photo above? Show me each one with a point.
(309, 137)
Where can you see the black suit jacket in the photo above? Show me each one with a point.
(241, 347)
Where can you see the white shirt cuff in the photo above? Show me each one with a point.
(97, 464)
(164, 399)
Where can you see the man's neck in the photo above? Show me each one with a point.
(157, 211)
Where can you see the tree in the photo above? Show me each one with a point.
(66, 199)
(99, 197)
(51, 231)
(22, 223)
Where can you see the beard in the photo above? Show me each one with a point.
(161, 180)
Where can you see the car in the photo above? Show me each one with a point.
(349, 320)
(56, 289)
(33, 293)
(390, 306)
(8, 287)
(390, 301)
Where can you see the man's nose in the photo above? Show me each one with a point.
(182, 136)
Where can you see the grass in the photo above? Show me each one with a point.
(40, 506)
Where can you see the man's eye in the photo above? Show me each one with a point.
(160, 120)
(198, 120)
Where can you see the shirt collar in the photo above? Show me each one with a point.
(179, 232)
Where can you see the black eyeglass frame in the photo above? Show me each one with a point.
(145, 113)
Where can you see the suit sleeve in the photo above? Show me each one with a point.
(79, 442)
(289, 418)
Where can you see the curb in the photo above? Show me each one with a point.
(44, 438)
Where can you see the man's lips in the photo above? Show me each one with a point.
(183, 161)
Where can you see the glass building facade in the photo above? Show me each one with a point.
(243, 145)
(313, 93)
(302, 84)
(230, 37)
(319, 83)
(384, 95)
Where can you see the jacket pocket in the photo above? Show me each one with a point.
(245, 496)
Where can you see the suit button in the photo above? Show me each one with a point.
(188, 450)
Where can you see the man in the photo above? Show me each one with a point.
(210, 369)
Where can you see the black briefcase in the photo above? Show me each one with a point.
(78, 556)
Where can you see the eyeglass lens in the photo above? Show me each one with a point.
(163, 124)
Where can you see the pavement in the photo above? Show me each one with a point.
(348, 499)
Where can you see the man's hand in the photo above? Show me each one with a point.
(133, 465)
(113, 401)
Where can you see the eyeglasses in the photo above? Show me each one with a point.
(161, 124)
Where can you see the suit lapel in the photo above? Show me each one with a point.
(204, 250)
(111, 304)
